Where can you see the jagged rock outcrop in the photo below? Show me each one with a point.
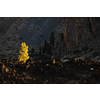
(31, 30)
(9, 39)
(76, 31)
(70, 33)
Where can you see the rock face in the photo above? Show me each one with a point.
(9, 39)
(75, 32)
(70, 33)
(33, 31)
(37, 30)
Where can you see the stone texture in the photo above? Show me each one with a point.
(76, 32)
(97, 58)
(70, 33)
(9, 39)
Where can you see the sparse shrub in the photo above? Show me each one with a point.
(32, 51)
(75, 51)
(45, 44)
(94, 53)
(43, 49)
(91, 49)
(85, 47)
(52, 38)
(47, 48)
(23, 53)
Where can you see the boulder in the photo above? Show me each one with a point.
(96, 58)
(98, 61)
(82, 58)
(66, 60)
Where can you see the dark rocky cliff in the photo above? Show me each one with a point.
(9, 39)
(31, 30)
(70, 33)
(76, 32)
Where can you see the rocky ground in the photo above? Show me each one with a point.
(47, 71)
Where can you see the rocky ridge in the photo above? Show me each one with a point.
(9, 40)
(70, 34)
(74, 33)
(14, 31)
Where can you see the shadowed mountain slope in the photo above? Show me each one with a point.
(31, 30)
(37, 30)
(70, 33)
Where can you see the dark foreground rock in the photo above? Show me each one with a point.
(49, 72)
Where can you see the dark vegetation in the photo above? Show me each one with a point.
(85, 47)
(52, 38)
(75, 51)
(47, 48)
(32, 51)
